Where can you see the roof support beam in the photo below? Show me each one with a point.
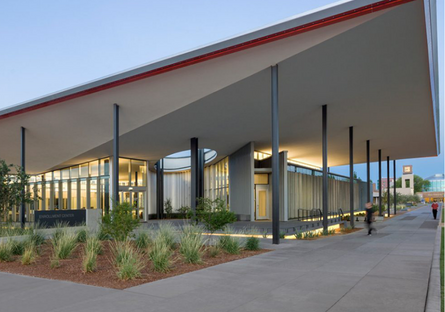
(275, 158)
(115, 178)
(194, 173)
(395, 188)
(388, 187)
(351, 176)
(380, 182)
(368, 173)
(325, 165)
(22, 158)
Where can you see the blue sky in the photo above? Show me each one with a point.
(50, 45)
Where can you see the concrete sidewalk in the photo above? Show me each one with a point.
(388, 271)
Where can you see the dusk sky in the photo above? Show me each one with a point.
(51, 45)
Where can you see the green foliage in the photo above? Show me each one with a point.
(185, 210)
(64, 245)
(127, 259)
(160, 255)
(18, 247)
(213, 251)
(101, 235)
(89, 262)
(214, 214)
(191, 244)
(8, 230)
(420, 185)
(29, 254)
(167, 234)
(252, 243)
(82, 236)
(13, 187)
(309, 235)
(37, 238)
(94, 245)
(282, 234)
(119, 223)
(168, 208)
(6, 251)
(298, 235)
(229, 244)
(143, 240)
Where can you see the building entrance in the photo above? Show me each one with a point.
(137, 200)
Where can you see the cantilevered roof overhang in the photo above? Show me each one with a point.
(374, 63)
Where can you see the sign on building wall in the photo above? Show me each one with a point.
(50, 218)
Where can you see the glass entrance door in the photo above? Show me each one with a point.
(136, 200)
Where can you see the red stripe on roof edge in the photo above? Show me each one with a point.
(371, 8)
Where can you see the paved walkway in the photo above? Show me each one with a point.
(385, 272)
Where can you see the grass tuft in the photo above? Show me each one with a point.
(143, 240)
(29, 254)
(6, 249)
(167, 233)
(89, 262)
(64, 245)
(191, 244)
(160, 254)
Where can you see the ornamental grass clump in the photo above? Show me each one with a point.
(94, 245)
(252, 242)
(230, 244)
(6, 251)
(128, 260)
(82, 236)
(64, 245)
(29, 254)
(18, 247)
(143, 240)
(191, 244)
(167, 234)
(89, 262)
(160, 254)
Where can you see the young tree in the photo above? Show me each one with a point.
(13, 187)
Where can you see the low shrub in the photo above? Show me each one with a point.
(143, 240)
(6, 251)
(160, 255)
(282, 234)
(252, 243)
(82, 236)
(191, 244)
(167, 233)
(37, 238)
(64, 245)
(229, 244)
(119, 223)
(89, 262)
(102, 235)
(121, 250)
(309, 235)
(29, 254)
(213, 214)
(298, 235)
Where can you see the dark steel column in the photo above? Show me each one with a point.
(194, 173)
(388, 187)
(201, 162)
(160, 189)
(275, 158)
(351, 175)
(325, 167)
(115, 178)
(22, 156)
(395, 191)
(380, 182)
(368, 172)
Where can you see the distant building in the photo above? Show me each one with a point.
(436, 190)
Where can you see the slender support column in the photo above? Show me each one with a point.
(388, 187)
(194, 173)
(201, 162)
(275, 158)
(395, 190)
(325, 167)
(380, 182)
(160, 189)
(22, 210)
(351, 175)
(115, 170)
(368, 173)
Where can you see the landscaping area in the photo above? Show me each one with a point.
(119, 255)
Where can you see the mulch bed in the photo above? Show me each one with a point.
(105, 274)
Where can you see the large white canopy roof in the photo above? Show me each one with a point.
(374, 63)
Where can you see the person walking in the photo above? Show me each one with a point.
(434, 207)
(369, 218)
